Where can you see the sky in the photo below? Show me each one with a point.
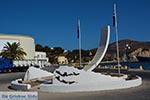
(53, 23)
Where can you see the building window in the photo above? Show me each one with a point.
(38, 56)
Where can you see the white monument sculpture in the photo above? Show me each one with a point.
(70, 79)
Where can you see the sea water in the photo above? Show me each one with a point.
(145, 65)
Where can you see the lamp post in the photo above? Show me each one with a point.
(126, 51)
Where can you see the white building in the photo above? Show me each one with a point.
(41, 59)
(26, 42)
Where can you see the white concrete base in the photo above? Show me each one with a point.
(31, 74)
(87, 87)
(85, 81)
(19, 86)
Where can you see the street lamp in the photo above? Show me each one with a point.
(127, 48)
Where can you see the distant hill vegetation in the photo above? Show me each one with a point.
(128, 49)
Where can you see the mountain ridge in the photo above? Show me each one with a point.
(126, 46)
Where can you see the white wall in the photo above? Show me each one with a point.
(41, 58)
(26, 42)
(3, 42)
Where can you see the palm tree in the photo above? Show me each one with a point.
(13, 51)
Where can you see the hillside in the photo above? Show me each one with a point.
(132, 47)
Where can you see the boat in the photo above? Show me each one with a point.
(143, 58)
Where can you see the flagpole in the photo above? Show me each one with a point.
(116, 31)
(79, 38)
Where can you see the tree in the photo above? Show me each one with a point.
(38, 47)
(46, 49)
(58, 50)
(13, 51)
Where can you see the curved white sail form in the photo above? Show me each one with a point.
(105, 36)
